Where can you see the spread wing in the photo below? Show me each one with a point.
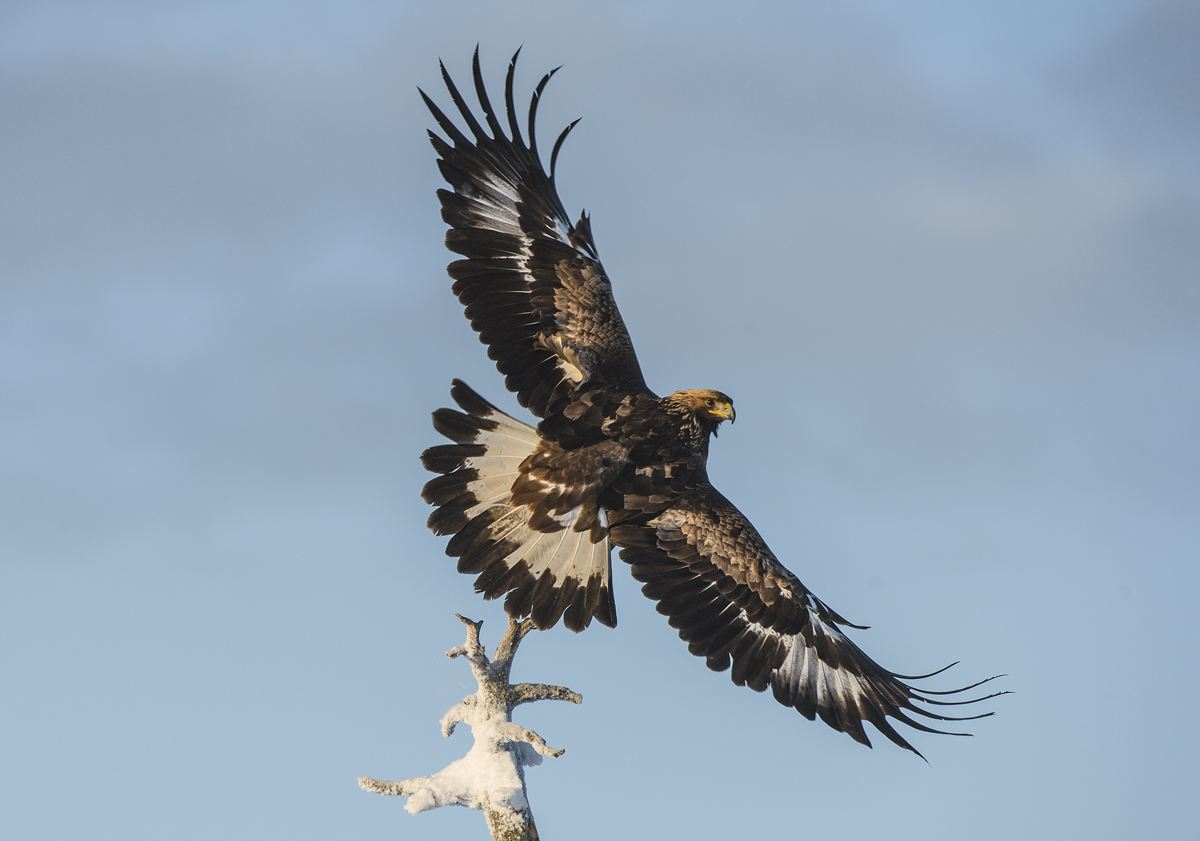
(731, 600)
(531, 282)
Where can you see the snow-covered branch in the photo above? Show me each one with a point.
(491, 776)
(523, 693)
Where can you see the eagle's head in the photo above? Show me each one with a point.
(709, 407)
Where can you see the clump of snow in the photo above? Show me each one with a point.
(488, 775)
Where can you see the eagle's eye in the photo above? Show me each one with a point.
(710, 403)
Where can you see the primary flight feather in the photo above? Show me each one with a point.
(531, 512)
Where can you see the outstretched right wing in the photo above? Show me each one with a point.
(735, 604)
(531, 282)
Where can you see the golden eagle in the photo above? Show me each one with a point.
(532, 511)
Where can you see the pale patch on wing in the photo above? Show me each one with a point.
(803, 668)
(500, 185)
(802, 664)
(565, 357)
(568, 518)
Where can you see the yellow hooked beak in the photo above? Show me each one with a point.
(725, 412)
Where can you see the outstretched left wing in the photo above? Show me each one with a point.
(531, 281)
(731, 600)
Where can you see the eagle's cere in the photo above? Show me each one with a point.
(531, 511)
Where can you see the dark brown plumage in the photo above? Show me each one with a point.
(531, 511)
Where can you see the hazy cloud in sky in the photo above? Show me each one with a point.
(943, 259)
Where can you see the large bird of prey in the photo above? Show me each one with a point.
(532, 512)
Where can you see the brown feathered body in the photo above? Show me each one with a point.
(605, 459)
(531, 511)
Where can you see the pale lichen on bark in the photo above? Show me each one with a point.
(491, 777)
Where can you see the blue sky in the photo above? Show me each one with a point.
(944, 260)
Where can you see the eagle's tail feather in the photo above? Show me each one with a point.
(527, 549)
